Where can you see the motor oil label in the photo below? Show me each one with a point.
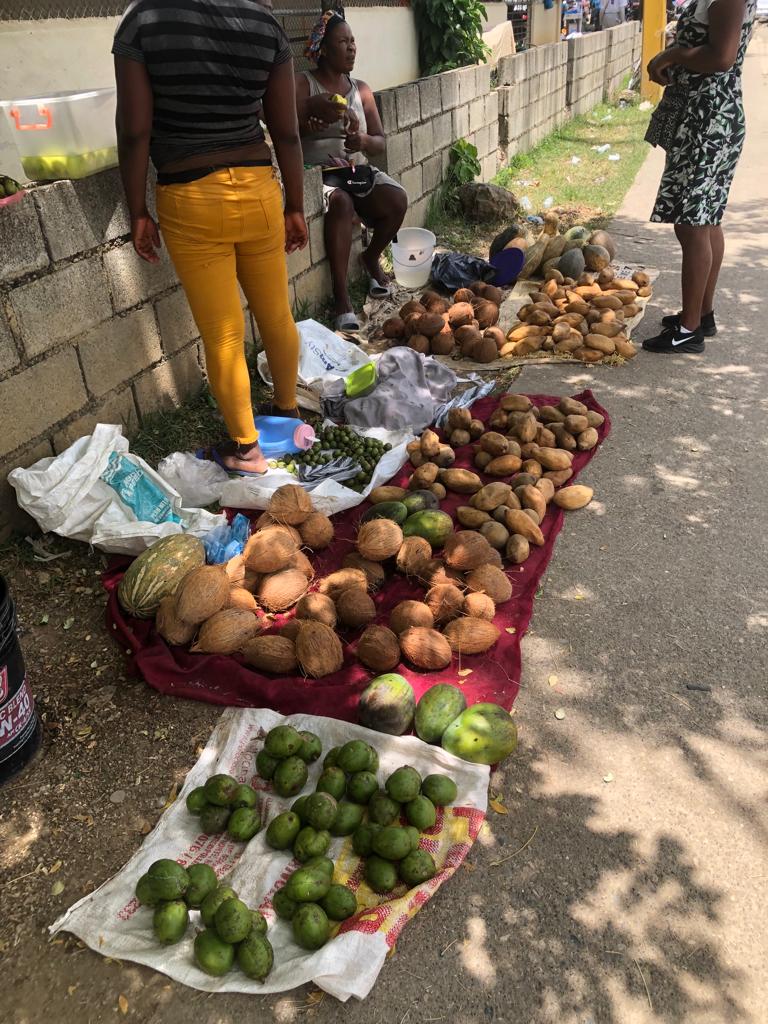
(17, 716)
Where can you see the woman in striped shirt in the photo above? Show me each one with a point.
(194, 80)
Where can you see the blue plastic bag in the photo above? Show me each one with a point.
(225, 542)
(138, 491)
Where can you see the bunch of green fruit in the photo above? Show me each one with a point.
(310, 901)
(345, 441)
(336, 808)
(8, 187)
(232, 930)
(284, 758)
(392, 851)
(224, 804)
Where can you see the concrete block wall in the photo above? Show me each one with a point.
(586, 72)
(532, 96)
(423, 119)
(622, 42)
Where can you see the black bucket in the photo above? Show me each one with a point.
(20, 727)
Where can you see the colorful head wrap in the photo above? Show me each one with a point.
(316, 37)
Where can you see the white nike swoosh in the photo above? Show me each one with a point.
(690, 337)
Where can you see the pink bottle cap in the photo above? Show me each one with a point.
(304, 436)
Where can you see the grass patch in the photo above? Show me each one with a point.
(594, 188)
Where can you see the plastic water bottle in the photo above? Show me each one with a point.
(281, 434)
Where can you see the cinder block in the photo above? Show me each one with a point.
(417, 214)
(442, 127)
(119, 408)
(429, 98)
(170, 384)
(22, 249)
(432, 173)
(11, 516)
(60, 305)
(467, 85)
(477, 114)
(37, 398)
(483, 79)
(177, 326)
(449, 89)
(398, 154)
(9, 356)
(64, 220)
(407, 102)
(299, 261)
(423, 142)
(483, 140)
(314, 287)
(102, 200)
(460, 123)
(119, 350)
(313, 192)
(493, 137)
(385, 101)
(132, 280)
(411, 180)
(492, 107)
(490, 167)
(317, 239)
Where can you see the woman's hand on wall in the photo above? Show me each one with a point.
(295, 232)
(145, 237)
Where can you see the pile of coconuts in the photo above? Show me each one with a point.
(438, 326)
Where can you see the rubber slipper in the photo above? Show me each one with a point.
(214, 456)
(376, 290)
(347, 322)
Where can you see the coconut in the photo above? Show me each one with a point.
(487, 579)
(419, 343)
(317, 531)
(287, 531)
(434, 303)
(459, 314)
(318, 607)
(355, 608)
(495, 559)
(318, 650)
(300, 561)
(445, 602)
(479, 606)
(373, 571)
(281, 590)
(276, 654)
(291, 629)
(486, 314)
(379, 539)
(342, 580)
(497, 336)
(414, 551)
(239, 597)
(484, 351)
(431, 324)
(426, 648)
(268, 551)
(410, 613)
(379, 649)
(442, 344)
(411, 307)
(434, 572)
(393, 328)
(235, 569)
(202, 593)
(471, 636)
(170, 627)
(463, 295)
(466, 550)
(226, 632)
(251, 581)
(493, 294)
(290, 504)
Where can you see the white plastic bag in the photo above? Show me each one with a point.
(111, 921)
(324, 357)
(66, 495)
(198, 481)
(329, 496)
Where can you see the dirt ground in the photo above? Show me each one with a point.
(626, 882)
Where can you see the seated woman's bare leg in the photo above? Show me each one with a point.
(338, 245)
(384, 211)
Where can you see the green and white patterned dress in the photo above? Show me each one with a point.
(702, 159)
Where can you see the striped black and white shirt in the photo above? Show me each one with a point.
(208, 62)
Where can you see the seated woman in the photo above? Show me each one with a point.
(338, 135)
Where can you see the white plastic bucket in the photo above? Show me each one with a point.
(412, 256)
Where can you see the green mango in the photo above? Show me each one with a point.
(283, 741)
(214, 819)
(255, 957)
(361, 787)
(380, 874)
(212, 955)
(266, 765)
(202, 881)
(436, 709)
(282, 831)
(220, 790)
(362, 839)
(233, 921)
(213, 901)
(392, 843)
(320, 810)
(169, 922)
(146, 893)
(382, 810)
(349, 816)
(169, 879)
(243, 824)
(311, 747)
(258, 923)
(333, 781)
(311, 843)
(354, 756)
(311, 927)
(299, 808)
(197, 801)
(339, 903)
(324, 864)
(416, 868)
(246, 796)
(415, 836)
(421, 813)
(307, 885)
(483, 734)
(331, 758)
(283, 905)
(290, 776)
(439, 789)
(404, 784)
(387, 704)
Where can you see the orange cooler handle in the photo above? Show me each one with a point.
(39, 127)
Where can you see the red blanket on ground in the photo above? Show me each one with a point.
(224, 679)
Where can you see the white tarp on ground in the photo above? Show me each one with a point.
(111, 921)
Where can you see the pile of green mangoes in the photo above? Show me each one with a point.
(311, 901)
(232, 930)
(225, 805)
(284, 758)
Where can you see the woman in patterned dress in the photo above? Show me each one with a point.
(700, 123)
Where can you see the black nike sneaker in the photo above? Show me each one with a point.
(676, 340)
(708, 325)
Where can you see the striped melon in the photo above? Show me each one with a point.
(157, 572)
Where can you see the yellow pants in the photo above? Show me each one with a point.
(220, 230)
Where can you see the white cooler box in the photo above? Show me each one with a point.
(65, 135)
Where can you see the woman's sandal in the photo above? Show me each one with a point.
(348, 323)
(213, 454)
